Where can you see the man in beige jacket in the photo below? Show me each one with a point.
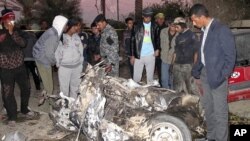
(167, 37)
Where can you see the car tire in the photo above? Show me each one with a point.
(167, 127)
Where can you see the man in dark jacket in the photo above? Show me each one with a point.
(94, 43)
(216, 60)
(29, 61)
(126, 42)
(185, 55)
(12, 67)
(144, 47)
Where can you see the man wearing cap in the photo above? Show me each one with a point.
(144, 47)
(160, 22)
(184, 57)
(109, 46)
(216, 60)
(12, 67)
(44, 53)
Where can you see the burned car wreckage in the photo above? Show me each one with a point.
(116, 109)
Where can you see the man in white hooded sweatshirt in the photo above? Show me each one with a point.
(44, 52)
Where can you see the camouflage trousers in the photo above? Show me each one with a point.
(115, 70)
(183, 80)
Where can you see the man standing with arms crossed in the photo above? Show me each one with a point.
(216, 59)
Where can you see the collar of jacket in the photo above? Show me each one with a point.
(108, 27)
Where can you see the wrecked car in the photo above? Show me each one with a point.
(116, 109)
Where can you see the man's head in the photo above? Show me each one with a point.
(171, 25)
(199, 15)
(94, 29)
(44, 25)
(147, 14)
(160, 18)
(101, 22)
(129, 22)
(180, 24)
(59, 23)
(73, 26)
(8, 17)
(80, 25)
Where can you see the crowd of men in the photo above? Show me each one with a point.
(166, 47)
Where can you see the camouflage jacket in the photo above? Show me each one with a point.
(109, 48)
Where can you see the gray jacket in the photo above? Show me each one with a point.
(46, 45)
(69, 53)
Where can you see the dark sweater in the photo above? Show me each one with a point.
(11, 55)
(186, 46)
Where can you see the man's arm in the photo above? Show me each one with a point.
(132, 46)
(51, 45)
(227, 43)
(18, 38)
(157, 41)
(196, 47)
(112, 40)
(59, 54)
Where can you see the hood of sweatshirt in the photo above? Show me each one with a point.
(59, 23)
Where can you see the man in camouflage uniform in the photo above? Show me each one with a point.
(108, 45)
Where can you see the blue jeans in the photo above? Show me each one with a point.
(165, 76)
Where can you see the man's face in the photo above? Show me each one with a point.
(44, 25)
(178, 28)
(79, 26)
(73, 29)
(172, 27)
(130, 24)
(8, 22)
(94, 30)
(197, 21)
(101, 25)
(160, 21)
(146, 19)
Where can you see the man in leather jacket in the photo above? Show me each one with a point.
(144, 47)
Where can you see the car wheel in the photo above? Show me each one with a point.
(169, 128)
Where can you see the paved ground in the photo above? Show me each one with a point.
(240, 108)
(37, 129)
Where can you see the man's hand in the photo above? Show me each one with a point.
(11, 27)
(157, 52)
(97, 57)
(132, 60)
(108, 68)
(199, 86)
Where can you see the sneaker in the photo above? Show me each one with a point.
(31, 115)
